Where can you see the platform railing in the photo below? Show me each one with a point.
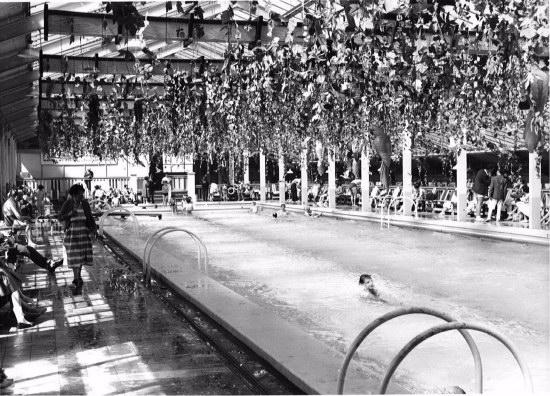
(451, 325)
(202, 252)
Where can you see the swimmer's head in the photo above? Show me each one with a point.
(283, 207)
(275, 214)
(365, 279)
(253, 203)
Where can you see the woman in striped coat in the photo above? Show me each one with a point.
(79, 224)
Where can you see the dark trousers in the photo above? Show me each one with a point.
(27, 251)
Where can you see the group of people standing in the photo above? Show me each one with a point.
(494, 185)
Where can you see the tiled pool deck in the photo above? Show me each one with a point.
(115, 338)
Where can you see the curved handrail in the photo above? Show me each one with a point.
(158, 235)
(387, 216)
(401, 312)
(461, 326)
(196, 239)
(163, 231)
(112, 210)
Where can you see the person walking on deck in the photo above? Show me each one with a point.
(481, 188)
(497, 194)
(79, 224)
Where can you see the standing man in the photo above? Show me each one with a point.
(145, 190)
(481, 188)
(88, 177)
(497, 194)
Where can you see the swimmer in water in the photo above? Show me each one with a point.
(368, 284)
(281, 213)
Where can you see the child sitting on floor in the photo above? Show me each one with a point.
(188, 205)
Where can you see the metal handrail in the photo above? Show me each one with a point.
(387, 217)
(112, 210)
(158, 235)
(461, 327)
(162, 230)
(198, 242)
(409, 311)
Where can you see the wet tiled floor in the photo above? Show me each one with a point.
(116, 337)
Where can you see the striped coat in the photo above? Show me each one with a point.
(78, 225)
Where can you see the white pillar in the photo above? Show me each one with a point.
(303, 176)
(281, 179)
(262, 176)
(231, 169)
(246, 163)
(534, 192)
(462, 185)
(365, 180)
(331, 179)
(407, 176)
(191, 192)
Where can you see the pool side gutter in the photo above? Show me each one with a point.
(482, 230)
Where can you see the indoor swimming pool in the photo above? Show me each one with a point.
(305, 270)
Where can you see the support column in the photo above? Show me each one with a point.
(231, 169)
(331, 179)
(191, 188)
(462, 185)
(534, 192)
(407, 176)
(262, 177)
(365, 180)
(246, 165)
(303, 176)
(281, 179)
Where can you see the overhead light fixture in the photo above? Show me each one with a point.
(29, 53)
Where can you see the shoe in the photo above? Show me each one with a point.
(24, 325)
(54, 265)
(6, 382)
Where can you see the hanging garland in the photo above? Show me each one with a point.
(445, 77)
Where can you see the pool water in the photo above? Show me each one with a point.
(306, 270)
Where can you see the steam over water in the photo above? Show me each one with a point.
(306, 270)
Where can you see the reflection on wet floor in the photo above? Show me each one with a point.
(115, 337)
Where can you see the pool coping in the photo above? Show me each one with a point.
(314, 369)
(513, 234)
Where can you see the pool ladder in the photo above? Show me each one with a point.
(452, 324)
(202, 252)
(385, 216)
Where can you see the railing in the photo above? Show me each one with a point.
(451, 325)
(202, 252)
(394, 201)
(58, 187)
(115, 212)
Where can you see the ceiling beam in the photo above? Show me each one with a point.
(21, 26)
(86, 24)
(58, 88)
(101, 65)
